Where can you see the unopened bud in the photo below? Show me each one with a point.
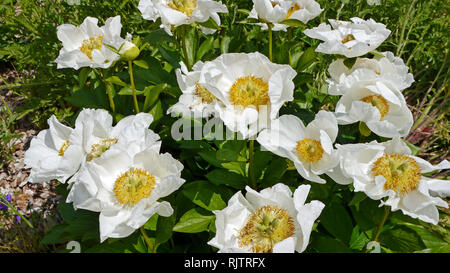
(129, 51)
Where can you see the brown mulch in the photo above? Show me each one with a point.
(28, 198)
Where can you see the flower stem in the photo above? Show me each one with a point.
(110, 96)
(387, 210)
(133, 88)
(251, 167)
(150, 245)
(269, 26)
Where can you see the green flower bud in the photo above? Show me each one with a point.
(128, 51)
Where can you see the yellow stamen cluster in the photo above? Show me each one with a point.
(265, 227)
(402, 173)
(309, 150)
(133, 186)
(90, 44)
(185, 6)
(204, 94)
(379, 102)
(249, 90)
(63, 148)
(292, 10)
(348, 38)
(98, 149)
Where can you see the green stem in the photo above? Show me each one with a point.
(387, 210)
(251, 161)
(110, 96)
(133, 88)
(269, 26)
(150, 245)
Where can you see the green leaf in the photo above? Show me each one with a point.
(86, 98)
(211, 158)
(295, 52)
(225, 44)
(274, 172)
(357, 198)
(363, 129)
(307, 58)
(210, 23)
(206, 195)
(401, 239)
(438, 249)
(116, 80)
(127, 91)
(358, 240)
(66, 211)
(336, 220)
(164, 228)
(55, 236)
(190, 41)
(82, 77)
(261, 161)
(205, 47)
(171, 55)
(152, 222)
(325, 244)
(293, 23)
(194, 221)
(156, 111)
(141, 63)
(224, 177)
(349, 62)
(152, 94)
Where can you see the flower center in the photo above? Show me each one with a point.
(348, 38)
(401, 172)
(310, 150)
(63, 148)
(98, 149)
(204, 94)
(185, 6)
(249, 90)
(266, 227)
(292, 10)
(133, 186)
(90, 44)
(379, 102)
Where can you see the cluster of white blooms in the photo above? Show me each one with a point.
(371, 93)
(120, 172)
(115, 170)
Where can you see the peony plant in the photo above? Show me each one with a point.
(324, 160)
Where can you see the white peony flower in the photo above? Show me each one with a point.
(388, 69)
(58, 153)
(94, 127)
(54, 153)
(376, 102)
(272, 220)
(84, 45)
(181, 12)
(125, 184)
(388, 171)
(196, 100)
(310, 148)
(279, 10)
(351, 39)
(251, 90)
